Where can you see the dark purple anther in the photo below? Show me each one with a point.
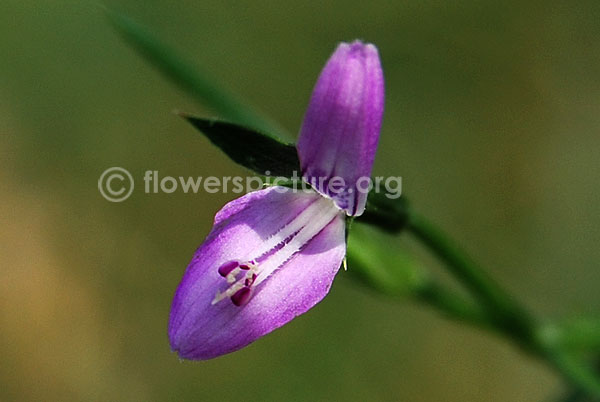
(226, 268)
(241, 297)
(250, 281)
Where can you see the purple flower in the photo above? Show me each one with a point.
(273, 254)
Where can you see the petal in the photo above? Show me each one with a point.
(341, 127)
(200, 329)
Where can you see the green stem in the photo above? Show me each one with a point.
(578, 334)
(579, 374)
(506, 314)
(505, 311)
(452, 305)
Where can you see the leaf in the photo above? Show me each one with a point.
(264, 153)
(249, 148)
(199, 84)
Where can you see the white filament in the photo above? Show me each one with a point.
(298, 233)
(307, 225)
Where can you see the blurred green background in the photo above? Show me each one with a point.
(492, 119)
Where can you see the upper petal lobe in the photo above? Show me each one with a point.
(341, 127)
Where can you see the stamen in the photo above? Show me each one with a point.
(232, 290)
(249, 279)
(274, 252)
(230, 271)
(241, 297)
(232, 275)
(226, 268)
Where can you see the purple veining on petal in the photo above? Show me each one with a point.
(341, 127)
(201, 329)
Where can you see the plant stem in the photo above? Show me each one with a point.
(576, 334)
(580, 375)
(452, 305)
(506, 314)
